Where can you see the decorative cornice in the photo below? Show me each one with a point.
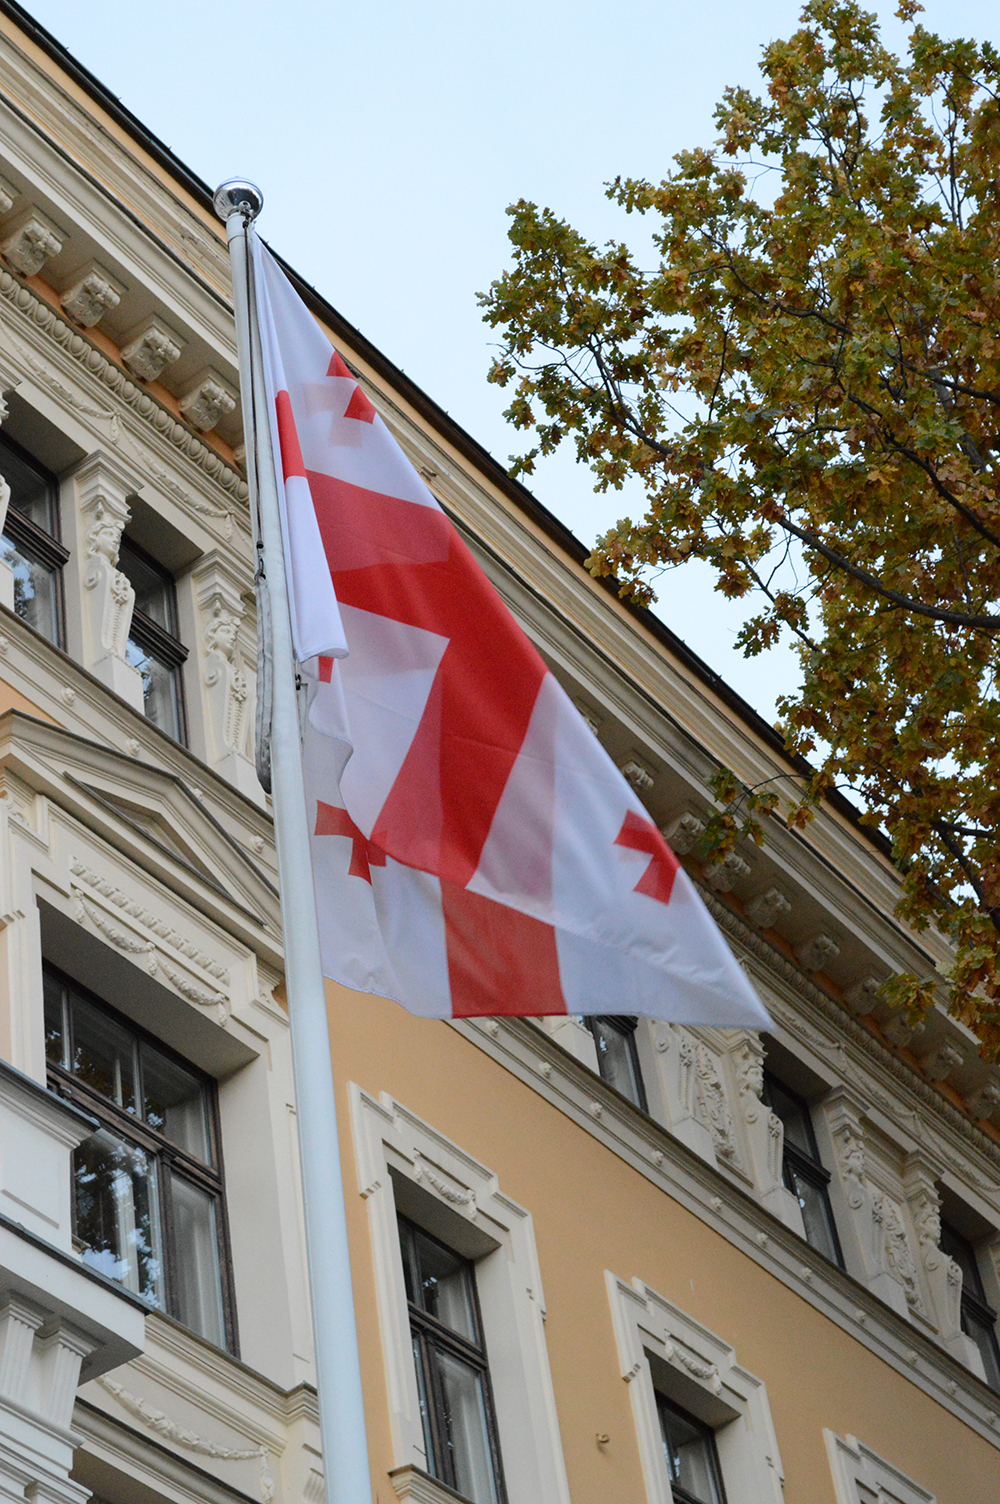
(183, 1436)
(117, 380)
(777, 962)
(712, 1194)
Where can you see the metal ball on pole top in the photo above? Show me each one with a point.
(342, 1422)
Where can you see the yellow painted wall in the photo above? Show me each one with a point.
(12, 699)
(593, 1212)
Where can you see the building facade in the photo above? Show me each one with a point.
(592, 1261)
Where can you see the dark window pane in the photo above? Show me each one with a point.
(444, 1287)
(816, 1214)
(617, 1059)
(425, 1414)
(689, 1448)
(464, 1426)
(117, 1214)
(982, 1330)
(103, 1054)
(31, 490)
(196, 1277)
(154, 591)
(793, 1111)
(36, 588)
(161, 687)
(962, 1251)
(56, 1043)
(174, 1102)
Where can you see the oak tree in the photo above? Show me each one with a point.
(803, 373)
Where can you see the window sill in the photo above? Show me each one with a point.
(414, 1486)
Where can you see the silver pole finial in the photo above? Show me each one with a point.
(237, 196)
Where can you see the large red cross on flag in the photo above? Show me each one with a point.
(475, 851)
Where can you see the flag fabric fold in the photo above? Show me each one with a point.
(475, 850)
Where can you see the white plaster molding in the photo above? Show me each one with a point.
(91, 293)
(8, 196)
(153, 922)
(713, 1107)
(692, 1180)
(102, 486)
(416, 1487)
(764, 1131)
(639, 777)
(682, 835)
(940, 1062)
(399, 1156)
(207, 399)
(30, 240)
(861, 1476)
(149, 347)
(984, 1101)
(40, 317)
(862, 995)
(901, 1030)
(182, 1436)
(699, 1371)
(227, 660)
(817, 952)
(768, 908)
(725, 874)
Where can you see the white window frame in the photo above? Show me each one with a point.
(859, 1474)
(661, 1348)
(405, 1165)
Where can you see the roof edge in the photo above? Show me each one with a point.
(440, 420)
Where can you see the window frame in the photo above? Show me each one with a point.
(207, 1178)
(661, 1349)
(974, 1305)
(809, 1166)
(26, 533)
(860, 1474)
(164, 643)
(428, 1331)
(680, 1495)
(625, 1025)
(405, 1165)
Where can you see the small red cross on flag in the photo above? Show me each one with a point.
(475, 850)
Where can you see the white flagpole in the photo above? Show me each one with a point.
(341, 1407)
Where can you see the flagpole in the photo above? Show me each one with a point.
(338, 1373)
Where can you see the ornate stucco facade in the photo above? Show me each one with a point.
(630, 1249)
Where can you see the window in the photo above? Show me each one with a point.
(802, 1172)
(978, 1320)
(456, 1406)
(861, 1475)
(153, 645)
(147, 1185)
(30, 544)
(617, 1056)
(689, 1449)
(701, 1419)
(412, 1176)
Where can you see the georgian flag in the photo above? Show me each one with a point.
(475, 851)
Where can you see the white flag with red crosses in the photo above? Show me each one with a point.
(475, 851)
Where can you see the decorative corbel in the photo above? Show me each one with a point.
(869, 1234)
(103, 487)
(30, 240)
(229, 682)
(942, 1275)
(149, 347)
(765, 1131)
(91, 293)
(207, 400)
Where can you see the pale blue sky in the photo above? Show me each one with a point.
(388, 138)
